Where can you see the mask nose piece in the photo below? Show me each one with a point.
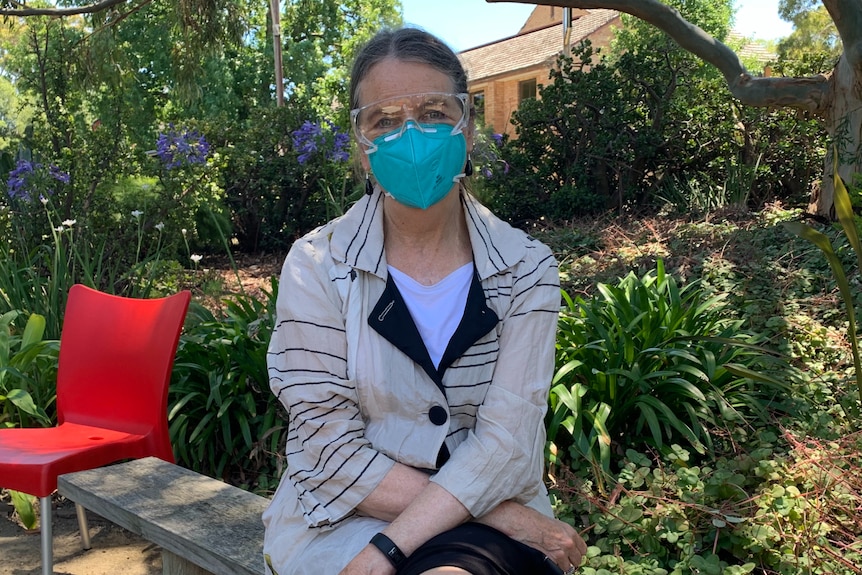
(408, 125)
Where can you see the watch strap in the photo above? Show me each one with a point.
(389, 548)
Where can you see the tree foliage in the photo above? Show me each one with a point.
(321, 37)
(814, 42)
(106, 78)
(835, 97)
(649, 121)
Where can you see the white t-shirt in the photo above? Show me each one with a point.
(436, 309)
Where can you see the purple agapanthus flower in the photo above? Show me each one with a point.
(176, 148)
(340, 147)
(59, 174)
(324, 138)
(306, 139)
(18, 178)
(27, 176)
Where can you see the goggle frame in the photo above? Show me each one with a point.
(457, 127)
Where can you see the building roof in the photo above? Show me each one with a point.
(531, 49)
(750, 48)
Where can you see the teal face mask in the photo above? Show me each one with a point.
(419, 167)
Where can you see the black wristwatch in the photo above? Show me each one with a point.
(390, 549)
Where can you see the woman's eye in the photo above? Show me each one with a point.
(384, 123)
(433, 115)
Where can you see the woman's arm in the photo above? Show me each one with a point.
(556, 539)
(431, 512)
(330, 461)
(398, 489)
(405, 495)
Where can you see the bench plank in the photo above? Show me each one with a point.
(212, 524)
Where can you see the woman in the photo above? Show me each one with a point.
(414, 349)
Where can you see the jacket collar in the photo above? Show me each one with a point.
(357, 237)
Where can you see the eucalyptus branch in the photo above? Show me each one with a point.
(115, 21)
(22, 10)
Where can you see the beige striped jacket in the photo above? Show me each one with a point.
(348, 363)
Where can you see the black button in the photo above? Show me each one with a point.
(438, 415)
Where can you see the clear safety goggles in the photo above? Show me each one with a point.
(428, 110)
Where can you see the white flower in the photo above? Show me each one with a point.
(160, 226)
(137, 213)
(69, 223)
(59, 229)
(43, 199)
(184, 231)
(196, 258)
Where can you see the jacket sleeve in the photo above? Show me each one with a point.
(502, 458)
(329, 461)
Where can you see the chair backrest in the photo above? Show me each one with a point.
(116, 357)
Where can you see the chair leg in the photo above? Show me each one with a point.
(47, 536)
(82, 525)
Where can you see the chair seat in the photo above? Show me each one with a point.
(32, 458)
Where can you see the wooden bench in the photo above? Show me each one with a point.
(204, 526)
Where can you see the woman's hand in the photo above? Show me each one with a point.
(369, 561)
(556, 539)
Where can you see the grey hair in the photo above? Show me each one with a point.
(407, 45)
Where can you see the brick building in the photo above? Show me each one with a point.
(503, 73)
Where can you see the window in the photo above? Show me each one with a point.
(526, 90)
(478, 99)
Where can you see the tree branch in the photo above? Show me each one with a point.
(812, 94)
(22, 10)
(847, 16)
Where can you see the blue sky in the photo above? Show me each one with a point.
(467, 23)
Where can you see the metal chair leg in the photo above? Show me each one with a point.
(82, 525)
(47, 536)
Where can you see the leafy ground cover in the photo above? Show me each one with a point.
(773, 492)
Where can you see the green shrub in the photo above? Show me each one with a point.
(224, 421)
(51, 236)
(646, 363)
(273, 198)
(28, 368)
(646, 126)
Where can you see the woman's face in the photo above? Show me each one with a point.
(392, 77)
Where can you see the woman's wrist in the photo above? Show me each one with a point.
(370, 561)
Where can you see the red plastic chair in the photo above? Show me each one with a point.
(115, 362)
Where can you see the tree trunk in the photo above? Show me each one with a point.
(843, 121)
